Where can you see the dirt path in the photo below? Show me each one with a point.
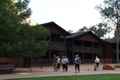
(48, 71)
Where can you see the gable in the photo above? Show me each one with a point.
(55, 29)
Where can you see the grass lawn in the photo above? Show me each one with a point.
(84, 77)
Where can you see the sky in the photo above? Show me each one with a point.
(69, 14)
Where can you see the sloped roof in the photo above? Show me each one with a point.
(58, 28)
(74, 35)
(113, 40)
(80, 34)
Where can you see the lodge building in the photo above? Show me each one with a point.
(86, 44)
(63, 43)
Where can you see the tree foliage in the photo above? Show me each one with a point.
(111, 11)
(18, 38)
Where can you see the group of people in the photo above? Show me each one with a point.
(64, 61)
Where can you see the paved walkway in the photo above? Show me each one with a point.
(48, 71)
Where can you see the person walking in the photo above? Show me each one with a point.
(65, 62)
(58, 60)
(77, 63)
(97, 62)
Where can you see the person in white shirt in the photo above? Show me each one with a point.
(65, 62)
(58, 60)
(97, 62)
(77, 63)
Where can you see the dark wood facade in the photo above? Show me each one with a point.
(86, 44)
(114, 49)
(56, 39)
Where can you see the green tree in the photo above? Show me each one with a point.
(111, 11)
(31, 41)
(18, 38)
